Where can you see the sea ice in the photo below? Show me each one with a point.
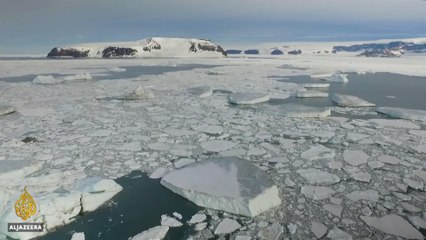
(350, 101)
(248, 98)
(293, 110)
(311, 94)
(341, 78)
(228, 184)
(197, 218)
(272, 232)
(370, 195)
(393, 224)
(78, 236)
(216, 146)
(316, 176)
(338, 234)
(116, 69)
(159, 173)
(155, 233)
(201, 91)
(169, 221)
(318, 229)
(210, 129)
(394, 123)
(158, 146)
(355, 157)
(421, 174)
(317, 152)
(334, 209)
(316, 192)
(389, 159)
(183, 162)
(316, 85)
(4, 110)
(410, 114)
(49, 79)
(17, 169)
(227, 226)
(96, 191)
(79, 76)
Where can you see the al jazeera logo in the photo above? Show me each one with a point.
(25, 208)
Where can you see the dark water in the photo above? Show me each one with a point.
(409, 91)
(135, 209)
(132, 72)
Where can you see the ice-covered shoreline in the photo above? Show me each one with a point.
(109, 137)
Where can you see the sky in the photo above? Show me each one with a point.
(36, 26)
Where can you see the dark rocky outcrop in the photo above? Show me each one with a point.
(151, 45)
(400, 45)
(251, 51)
(111, 52)
(295, 52)
(67, 53)
(195, 47)
(277, 52)
(382, 53)
(233, 51)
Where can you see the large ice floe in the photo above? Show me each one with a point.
(4, 110)
(293, 110)
(56, 206)
(410, 114)
(350, 101)
(248, 98)
(228, 184)
(311, 94)
(341, 78)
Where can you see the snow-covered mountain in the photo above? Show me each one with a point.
(149, 47)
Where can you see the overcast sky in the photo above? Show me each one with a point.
(35, 26)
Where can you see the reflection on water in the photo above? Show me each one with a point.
(137, 208)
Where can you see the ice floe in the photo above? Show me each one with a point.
(370, 195)
(169, 221)
(155, 233)
(316, 85)
(227, 226)
(197, 218)
(341, 78)
(116, 69)
(78, 236)
(350, 101)
(355, 157)
(317, 152)
(248, 98)
(410, 114)
(293, 110)
(201, 91)
(338, 234)
(318, 229)
(79, 76)
(317, 192)
(4, 110)
(272, 232)
(49, 79)
(316, 176)
(393, 224)
(216, 146)
(311, 94)
(229, 184)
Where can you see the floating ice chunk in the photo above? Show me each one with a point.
(79, 76)
(341, 78)
(178, 215)
(272, 232)
(311, 94)
(216, 146)
(142, 93)
(228, 184)
(417, 221)
(155, 233)
(361, 176)
(210, 129)
(420, 148)
(292, 228)
(389, 159)
(318, 229)
(197, 218)
(316, 176)
(350, 101)
(169, 221)
(355, 157)
(200, 226)
(158, 146)
(410, 114)
(293, 110)
(183, 162)
(317, 152)
(394, 123)
(227, 226)
(248, 98)
(413, 184)
(49, 79)
(393, 224)
(418, 133)
(4, 110)
(316, 85)
(78, 236)
(337, 234)
(116, 69)
(96, 191)
(334, 209)
(410, 208)
(131, 146)
(17, 169)
(421, 174)
(201, 91)
(370, 195)
(317, 193)
(355, 137)
(179, 132)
